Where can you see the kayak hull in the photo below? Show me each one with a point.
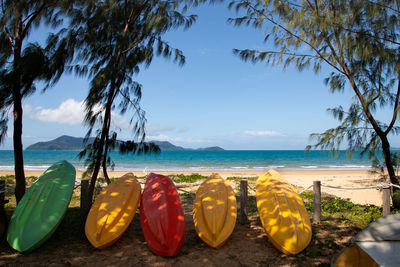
(113, 211)
(162, 216)
(354, 256)
(282, 213)
(214, 211)
(42, 208)
(378, 244)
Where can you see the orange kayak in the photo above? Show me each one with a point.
(162, 217)
(282, 213)
(113, 211)
(214, 211)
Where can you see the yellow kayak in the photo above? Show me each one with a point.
(113, 211)
(354, 256)
(214, 211)
(282, 213)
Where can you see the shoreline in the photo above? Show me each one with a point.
(301, 178)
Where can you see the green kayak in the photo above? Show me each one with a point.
(42, 208)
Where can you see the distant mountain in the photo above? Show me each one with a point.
(66, 142)
(165, 145)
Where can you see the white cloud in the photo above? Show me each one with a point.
(69, 112)
(120, 122)
(263, 133)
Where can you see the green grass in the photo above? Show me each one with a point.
(192, 178)
(344, 210)
(238, 179)
(10, 179)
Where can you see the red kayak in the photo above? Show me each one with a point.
(162, 217)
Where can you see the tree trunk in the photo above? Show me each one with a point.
(96, 168)
(18, 149)
(106, 151)
(20, 182)
(390, 169)
(100, 148)
(388, 160)
(108, 181)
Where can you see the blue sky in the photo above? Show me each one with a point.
(214, 99)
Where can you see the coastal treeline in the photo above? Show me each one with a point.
(110, 41)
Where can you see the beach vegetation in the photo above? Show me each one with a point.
(128, 35)
(343, 210)
(191, 178)
(359, 42)
(24, 63)
(238, 179)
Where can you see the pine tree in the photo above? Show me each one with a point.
(116, 38)
(359, 41)
(22, 63)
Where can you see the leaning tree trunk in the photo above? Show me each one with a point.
(99, 155)
(106, 151)
(388, 161)
(391, 173)
(100, 146)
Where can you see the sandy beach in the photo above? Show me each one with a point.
(301, 178)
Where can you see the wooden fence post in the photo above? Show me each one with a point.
(243, 219)
(317, 201)
(85, 204)
(385, 200)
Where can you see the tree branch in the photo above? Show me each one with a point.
(33, 17)
(10, 38)
(385, 6)
(134, 104)
(395, 111)
(298, 38)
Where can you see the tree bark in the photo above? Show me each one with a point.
(106, 151)
(100, 148)
(20, 182)
(96, 168)
(388, 160)
(390, 169)
(18, 149)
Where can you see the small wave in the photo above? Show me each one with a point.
(7, 168)
(26, 167)
(350, 166)
(274, 167)
(309, 167)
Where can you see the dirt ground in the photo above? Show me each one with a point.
(247, 246)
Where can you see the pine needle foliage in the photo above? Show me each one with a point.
(116, 38)
(359, 41)
(23, 63)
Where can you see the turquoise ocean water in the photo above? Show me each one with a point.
(228, 160)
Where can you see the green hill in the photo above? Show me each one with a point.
(66, 142)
